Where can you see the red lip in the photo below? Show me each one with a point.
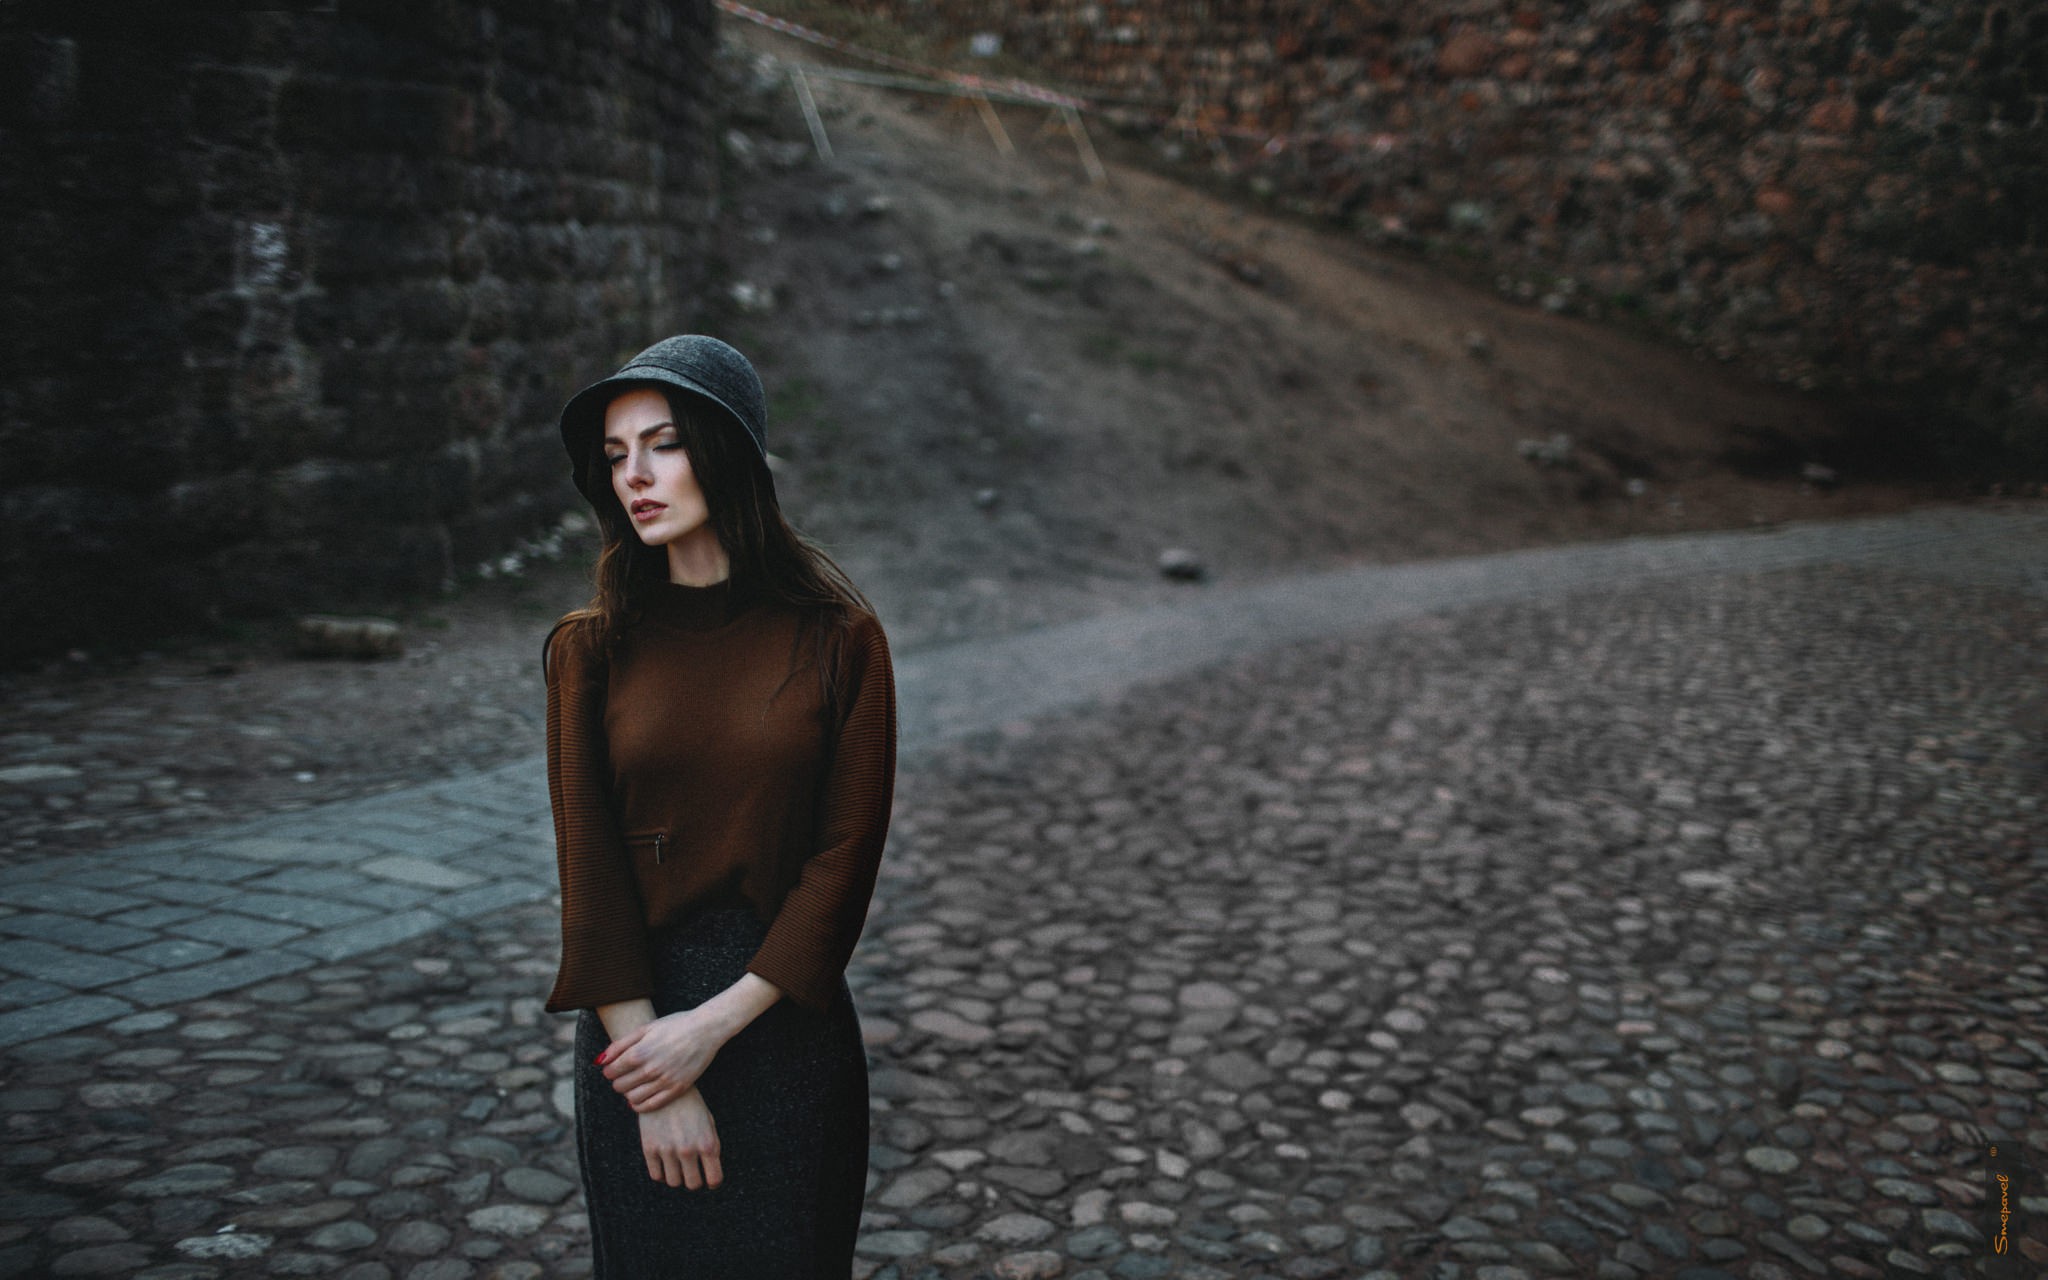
(641, 510)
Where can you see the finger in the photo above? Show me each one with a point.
(659, 1097)
(653, 1158)
(714, 1171)
(620, 1045)
(693, 1178)
(672, 1168)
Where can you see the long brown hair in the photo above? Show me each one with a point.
(769, 559)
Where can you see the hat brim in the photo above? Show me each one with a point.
(583, 416)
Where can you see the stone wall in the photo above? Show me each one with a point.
(293, 297)
(1849, 194)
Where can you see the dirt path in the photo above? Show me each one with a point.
(1001, 393)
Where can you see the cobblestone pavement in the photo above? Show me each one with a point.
(91, 939)
(1673, 926)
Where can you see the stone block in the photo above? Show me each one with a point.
(313, 497)
(59, 1016)
(210, 510)
(473, 539)
(35, 520)
(335, 636)
(466, 260)
(72, 931)
(368, 565)
(230, 930)
(415, 871)
(492, 897)
(397, 823)
(450, 476)
(386, 896)
(375, 934)
(71, 899)
(61, 965)
(302, 880)
(155, 917)
(193, 255)
(495, 239)
(42, 71)
(392, 245)
(18, 992)
(425, 311)
(232, 105)
(192, 893)
(188, 863)
(108, 875)
(367, 185)
(282, 839)
(214, 323)
(395, 399)
(297, 909)
(323, 112)
(173, 953)
(176, 986)
(274, 384)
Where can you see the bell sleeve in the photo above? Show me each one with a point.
(813, 934)
(604, 933)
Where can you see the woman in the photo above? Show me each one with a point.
(721, 762)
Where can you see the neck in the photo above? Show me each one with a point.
(697, 560)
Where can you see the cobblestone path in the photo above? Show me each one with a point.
(1678, 926)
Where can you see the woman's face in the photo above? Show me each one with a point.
(651, 470)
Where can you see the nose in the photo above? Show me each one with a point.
(635, 467)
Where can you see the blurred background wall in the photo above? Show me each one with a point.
(293, 297)
(1849, 195)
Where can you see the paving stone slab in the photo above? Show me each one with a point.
(61, 896)
(298, 909)
(231, 930)
(72, 931)
(351, 940)
(179, 986)
(419, 871)
(492, 897)
(62, 965)
(59, 1016)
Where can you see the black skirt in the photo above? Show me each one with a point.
(789, 1098)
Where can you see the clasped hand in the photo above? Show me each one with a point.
(680, 1144)
(653, 1064)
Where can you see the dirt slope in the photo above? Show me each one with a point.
(1137, 366)
(1000, 392)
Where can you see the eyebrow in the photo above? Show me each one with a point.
(643, 435)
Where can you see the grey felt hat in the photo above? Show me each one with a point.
(709, 370)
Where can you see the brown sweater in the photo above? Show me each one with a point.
(680, 777)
